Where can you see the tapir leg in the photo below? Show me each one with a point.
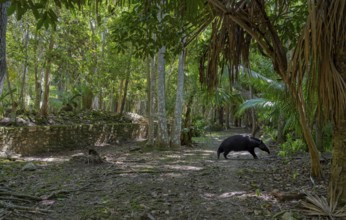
(225, 154)
(253, 153)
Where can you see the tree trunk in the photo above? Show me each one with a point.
(176, 134)
(44, 109)
(319, 135)
(25, 68)
(337, 183)
(128, 75)
(151, 103)
(38, 86)
(163, 138)
(125, 93)
(314, 154)
(187, 134)
(120, 90)
(3, 26)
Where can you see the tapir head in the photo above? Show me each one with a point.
(263, 147)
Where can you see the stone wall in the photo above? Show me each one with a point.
(43, 139)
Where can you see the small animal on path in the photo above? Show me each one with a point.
(241, 143)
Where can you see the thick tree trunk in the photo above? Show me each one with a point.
(337, 183)
(176, 134)
(3, 26)
(163, 138)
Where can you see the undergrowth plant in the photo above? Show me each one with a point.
(291, 146)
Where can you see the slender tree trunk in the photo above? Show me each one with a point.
(187, 134)
(122, 82)
(13, 114)
(319, 135)
(94, 64)
(147, 109)
(38, 88)
(125, 92)
(314, 154)
(151, 104)
(3, 27)
(128, 75)
(25, 68)
(163, 138)
(176, 134)
(44, 109)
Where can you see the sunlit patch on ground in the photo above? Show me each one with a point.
(182, 167)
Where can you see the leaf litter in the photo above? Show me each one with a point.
(186, 183)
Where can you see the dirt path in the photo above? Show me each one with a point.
(135, 184)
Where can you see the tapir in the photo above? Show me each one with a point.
(241, 143)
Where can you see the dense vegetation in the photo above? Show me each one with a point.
(195, 67)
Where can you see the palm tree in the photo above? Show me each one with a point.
(235, 25)
(320, 57)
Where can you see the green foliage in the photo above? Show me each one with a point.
(199, 126)
(255, 103)
(43, 10)
(292, 146)
(142, 28)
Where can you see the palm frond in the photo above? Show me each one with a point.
(255, 103)
(319, 206)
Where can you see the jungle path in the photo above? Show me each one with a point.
(187, 183)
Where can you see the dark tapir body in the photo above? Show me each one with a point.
(241, 143)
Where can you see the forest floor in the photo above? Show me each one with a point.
(134, 183)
